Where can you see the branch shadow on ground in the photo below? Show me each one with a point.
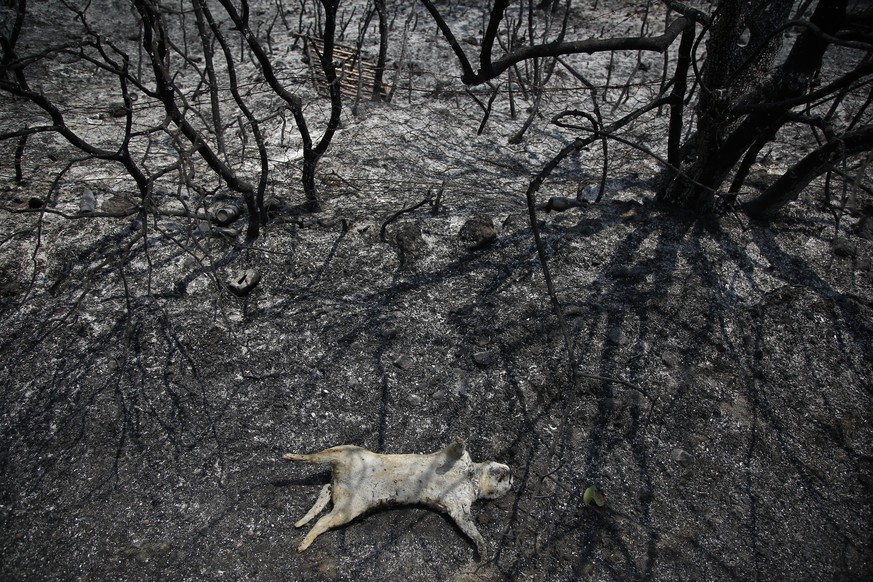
(695, 334)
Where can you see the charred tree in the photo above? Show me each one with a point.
(312, 151)
(379, 82)
(744, 98)
(737, 115)
(210, 115)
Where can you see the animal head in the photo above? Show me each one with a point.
(495, 480)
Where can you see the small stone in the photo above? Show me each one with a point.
(616, 337)
(670, 359)
(225, 215)
(118, 204)
(273, 206)
(117, 110)
(560, 203)
(630, 214)
(333, 221)
(513, 221)
(403, 362)
(462, 389)
(843, 247)
(414, 399)
(485, 358)
(241, 284)
(478, 232)
(409, 240)
(574, 310)
(87, 203)
(682, 457)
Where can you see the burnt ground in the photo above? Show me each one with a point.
(144, 409)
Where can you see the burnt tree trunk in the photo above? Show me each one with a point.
(724, 138)
(378, 82)
(312, 155)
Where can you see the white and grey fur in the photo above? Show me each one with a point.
(447, 480)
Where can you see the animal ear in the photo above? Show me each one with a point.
(455, 450)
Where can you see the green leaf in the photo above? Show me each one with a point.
(592, 494)
(599, 499)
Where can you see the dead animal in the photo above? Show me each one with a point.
(362, 480)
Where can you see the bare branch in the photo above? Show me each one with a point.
(490, 70)
(792, 182)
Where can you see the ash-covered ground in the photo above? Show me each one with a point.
(723, 404)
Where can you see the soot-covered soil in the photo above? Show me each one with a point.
(143, 434)
(723, 407)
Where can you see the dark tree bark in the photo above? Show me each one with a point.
(378, 82)
(723, 138)
(721, 50)
(677, 96)
(813, 165)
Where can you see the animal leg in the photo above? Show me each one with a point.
(462, 517)
(320, 504)
(334, 518)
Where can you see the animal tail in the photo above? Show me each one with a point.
(296, 457)
(325, 456)
(314, 458)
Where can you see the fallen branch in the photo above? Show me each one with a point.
(403, 210)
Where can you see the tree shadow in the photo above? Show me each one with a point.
(693, 319)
